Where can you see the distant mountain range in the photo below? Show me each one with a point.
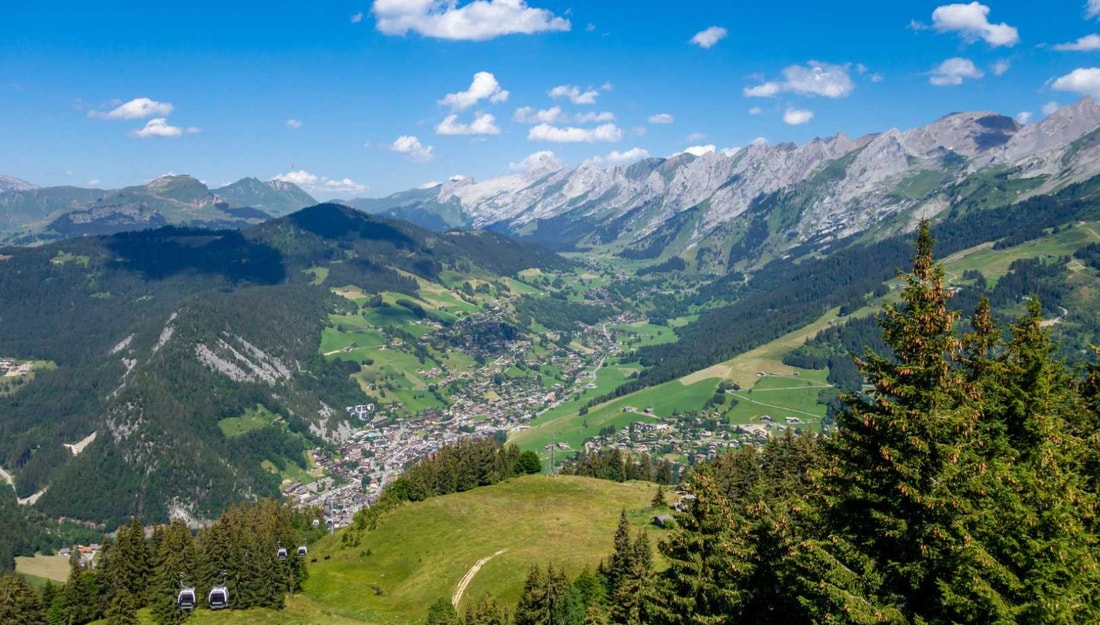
(30, 214)
(741, 208)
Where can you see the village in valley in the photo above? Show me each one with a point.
(517, 382)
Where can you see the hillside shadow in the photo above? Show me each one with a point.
(165, 252)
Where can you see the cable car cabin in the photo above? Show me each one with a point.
(302, 551)
(282, 553)
(185, 600)
(218, 598)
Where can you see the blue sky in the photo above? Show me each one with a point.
(364, 98)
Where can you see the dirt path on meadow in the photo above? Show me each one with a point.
(469, 576)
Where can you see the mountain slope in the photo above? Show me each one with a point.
(746, 207)
(159, 336)
(9, 183)
(36, 215)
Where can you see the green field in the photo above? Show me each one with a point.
(43, 567)
(252, 419)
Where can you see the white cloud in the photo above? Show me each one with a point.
(972, 22)
(797, 117)
(661, 118)
(483, 87)
(707, 38)
(575, 94)
(627, 156)
(1023, 117)
(756, 110)
(696, 137)
(543, 159)
(431, 184)
(413, 150)
(344, 185)
(953, 71)
(1088, 43)
(474, 21)
(138, 108)
(293, 123)
(759, 141)
(815, 78)
(1050, 107)
(358, 17)
(607, 86)
(300, 177)
(484, 124)
(159, 127)
(1092, 9)
(528, 115)
(555, 134)
(699, 150)
(1000, 67)
(93, 182)
(1085, 81)
(594, 117)
(590, 27)
(876, 77)
(765, 90)
(727, 152)
(320, 184)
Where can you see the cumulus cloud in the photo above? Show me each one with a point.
(1083, 80)
(483, 87)
(1088, 43)
(1000, 67)
(815, 78)
(93, 182)
(1023, 117)
(696, 137)
(320, 184)
(1050, 107)
(699, 150)
(756, 110)
(570, 134)
(138, 108)
(528, 115)
(413, 150)
(484, 124)
(661, 118)
(796, 117)
(953, 71)
(299, 177)
(159, 127)
(626, 156)
(543, 159)
(474, 21)
(1092, 9)
(594, 117)
(293, 123)
(575, 94)
(358, 17)
(707, 38)
(971, 21)
(554, 114)
(759, 141)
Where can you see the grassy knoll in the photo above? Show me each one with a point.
(252, 419)
(780, 397)
(642, 334)
(419, 552)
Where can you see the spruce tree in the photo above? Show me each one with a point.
(19, 602)
(907, 454)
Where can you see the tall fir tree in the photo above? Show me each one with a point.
(19, 602)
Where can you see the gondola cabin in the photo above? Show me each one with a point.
(302, 551)
(185, 600)
(218, 598)
(281, 554)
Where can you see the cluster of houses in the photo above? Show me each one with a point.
(13, 369)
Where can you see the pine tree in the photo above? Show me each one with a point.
(19, 603)
(659, 498)
(122, 609)
(176, 564)
(486, 611)
(907, 454)
(441, 612)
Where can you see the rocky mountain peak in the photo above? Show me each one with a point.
(10, 183)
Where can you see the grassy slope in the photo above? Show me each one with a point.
(420, 552)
